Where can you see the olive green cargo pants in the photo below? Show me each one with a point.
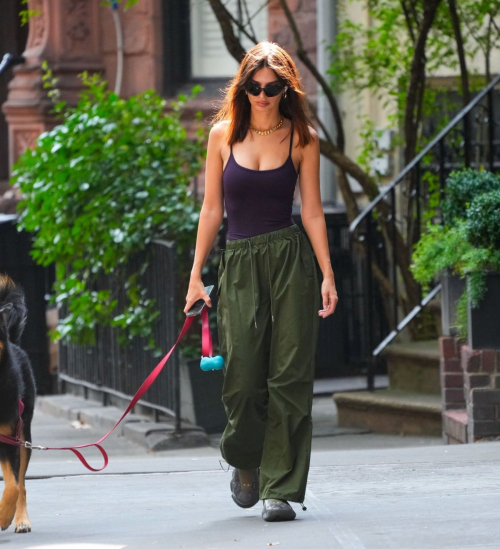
(268, 322)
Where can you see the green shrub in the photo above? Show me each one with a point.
(98, 188)
(461, 189)
(447, 248)
(468, 244)
(483, 220)
(439, 248)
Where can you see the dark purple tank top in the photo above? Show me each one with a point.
(258, 201)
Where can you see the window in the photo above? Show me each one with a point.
(194, 48)
(176, 45)
(209, 55)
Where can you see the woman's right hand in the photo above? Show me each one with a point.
(196, 291)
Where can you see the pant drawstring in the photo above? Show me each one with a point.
(269, 276)
(253, 285)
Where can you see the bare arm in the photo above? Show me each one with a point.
(313, 219)
(211, 216)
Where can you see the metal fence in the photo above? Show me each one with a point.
(115, 370)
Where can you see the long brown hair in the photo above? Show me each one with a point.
(236, 106)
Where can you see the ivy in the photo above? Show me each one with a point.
(26, 15)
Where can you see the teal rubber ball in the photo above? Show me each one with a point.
(212, 363)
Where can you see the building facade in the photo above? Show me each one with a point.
(168, 45)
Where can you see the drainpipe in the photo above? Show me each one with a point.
(326, 29)
(119, 48)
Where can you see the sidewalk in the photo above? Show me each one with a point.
(424, 496)
(92, 417)
(159, 436)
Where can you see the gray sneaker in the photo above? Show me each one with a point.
(245, 498)
(276, 509)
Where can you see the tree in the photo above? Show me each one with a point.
(408, 42)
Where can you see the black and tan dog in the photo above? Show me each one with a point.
(16, 384)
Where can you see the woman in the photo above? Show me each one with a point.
(268, 288)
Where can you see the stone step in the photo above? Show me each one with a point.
(390, 411)
(455, 426)
(414, 366)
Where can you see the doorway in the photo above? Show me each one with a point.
(13, 38)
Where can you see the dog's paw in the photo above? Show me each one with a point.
(8, 507)
(5, 519)
(23, 526)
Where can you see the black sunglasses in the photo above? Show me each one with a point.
(271, 90)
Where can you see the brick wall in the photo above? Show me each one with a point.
(482, 392)
(304, 13)
(470, 388)
(452, 375)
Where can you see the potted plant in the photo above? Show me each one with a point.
(465, 252)
(461, 188)
(483, 233)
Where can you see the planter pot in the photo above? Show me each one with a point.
(206, 388)
(483, 325)
(452, 288)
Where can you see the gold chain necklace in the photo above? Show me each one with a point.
(267, 132)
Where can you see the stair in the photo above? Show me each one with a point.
(412, 403)
(414, 366)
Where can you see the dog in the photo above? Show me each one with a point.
(16, 384)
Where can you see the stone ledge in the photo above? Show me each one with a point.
(65, 406)
(455, 426)
(391, 411)
(390, 398)
(137, 428)
(162, 436)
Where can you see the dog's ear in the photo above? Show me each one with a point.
(5, 313)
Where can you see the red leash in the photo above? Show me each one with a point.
(206, 351)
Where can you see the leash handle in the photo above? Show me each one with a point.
(206, 334)
(206, 350)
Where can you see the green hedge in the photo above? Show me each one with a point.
(461, 189)
(483, 220)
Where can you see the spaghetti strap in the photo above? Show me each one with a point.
(291, 143)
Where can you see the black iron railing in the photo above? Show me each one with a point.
(116, 371)
(470, 140)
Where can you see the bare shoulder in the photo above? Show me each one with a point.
(217, 139)
(313, 141)
(310, 148)
(219, 129)
(314, 134)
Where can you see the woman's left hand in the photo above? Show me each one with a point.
(329, 295)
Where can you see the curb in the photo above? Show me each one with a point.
(155, 436)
